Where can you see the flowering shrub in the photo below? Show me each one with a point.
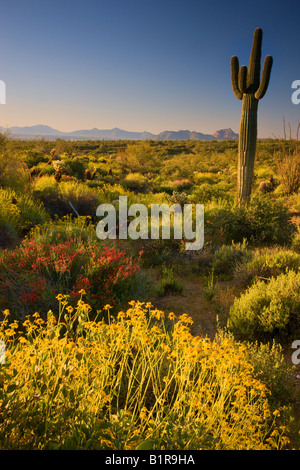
(34, 272)
(140, 380)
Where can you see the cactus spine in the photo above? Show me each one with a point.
(248, 86)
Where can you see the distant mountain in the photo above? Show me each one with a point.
(47, 132)
(33, 130)
(224, 134)
(184, 135)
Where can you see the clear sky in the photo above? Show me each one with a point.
(140, 65)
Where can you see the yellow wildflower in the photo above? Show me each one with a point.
(107, 307)
(172, 316)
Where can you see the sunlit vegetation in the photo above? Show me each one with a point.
(103, 344)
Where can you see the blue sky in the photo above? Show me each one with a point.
(143, 65)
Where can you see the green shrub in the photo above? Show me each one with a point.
(33, 157)
(136, 182)
(271, 368)
(208, 192)
(64, 229)
(266, 264)
(140, 157)
(181, 184)
(13, 171)
(264, 221)
(169, 283)
(227, 257)
(20, 212)
(42, 169)
(210, 287)
(267, 310)
(296, 241)
(76, 166)
(205, 177)
(57, 197)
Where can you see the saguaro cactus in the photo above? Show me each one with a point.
(248, 86)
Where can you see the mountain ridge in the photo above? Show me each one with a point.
(44, 131)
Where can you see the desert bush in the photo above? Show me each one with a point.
(205, 177)
(264, 221)
(140, 380)
(265, 264)
(181, 184)
(182, 166)
(63, 229)
(136, 182)
(227, 257)
(139, 157)
(169, 283)
(267, 311)
(208, 192)
(296, 241)
(157, 252)
(42, 169)
(178, 198)
(14, 173)
(20, 212)
(288, 169)
(211, 286)
(57, 196)
(271, 367)
(34, 157)
(76, 166)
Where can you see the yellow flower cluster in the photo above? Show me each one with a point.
(140, 375)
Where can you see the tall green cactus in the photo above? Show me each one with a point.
(248, 86)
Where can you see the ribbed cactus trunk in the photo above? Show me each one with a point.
(247, 147)
(250, 88)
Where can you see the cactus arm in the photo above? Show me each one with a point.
(234, 64)
(243, 79)
(253, 75)
(265, 77)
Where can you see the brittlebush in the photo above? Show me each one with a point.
(138, 380)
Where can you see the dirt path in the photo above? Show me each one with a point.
(205, 313)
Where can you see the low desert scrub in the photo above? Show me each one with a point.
(169, 283)
(227, 257)
(265, 221)
(287, 161)
(296, 241)
(268, 310)
(262, 264)
(20, 212)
